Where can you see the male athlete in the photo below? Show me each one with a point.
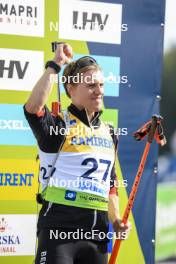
(77, 171)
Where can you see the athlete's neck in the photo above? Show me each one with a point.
(90, 114)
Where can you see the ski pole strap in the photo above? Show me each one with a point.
(142, 132)
(153, 127)
(159, 135)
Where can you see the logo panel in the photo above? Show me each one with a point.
(22, 17)
(90, 21)
(14, 129)
(70, 195)
(18, 179)
(18, 69)
(17, 235)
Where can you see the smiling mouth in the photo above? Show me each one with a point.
(97, 98)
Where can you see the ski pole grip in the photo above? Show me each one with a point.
(54, 45)
(153, 127)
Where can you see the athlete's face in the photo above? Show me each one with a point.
(89, 92)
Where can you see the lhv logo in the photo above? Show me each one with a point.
(18, 69)
(87, 21)
(13, 66)
(90, 21)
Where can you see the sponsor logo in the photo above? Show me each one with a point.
(7, 241)
(12, 67)
(90, 21)
(72, 122)
(19, 181)
(22, 17)
(70, 195)
(18, 69)
(13, 125)
(95, 20)
(3, 225)
(14, 129)
(16, 179)
(14, 238)
(92, 141)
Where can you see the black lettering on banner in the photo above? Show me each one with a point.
(91, 19)
(11, 68)
(75, 19)
(29, 11)
(20, 10)
(13, 11)
(3, 9)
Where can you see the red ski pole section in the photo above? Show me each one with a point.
(130, 201)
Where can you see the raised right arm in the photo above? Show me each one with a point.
(43, 87)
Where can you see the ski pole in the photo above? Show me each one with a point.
(153, 129)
